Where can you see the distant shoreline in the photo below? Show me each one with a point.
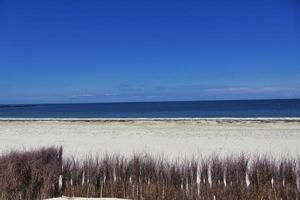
(17, 106)
(214, 119)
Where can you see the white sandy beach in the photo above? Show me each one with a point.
(171, 138)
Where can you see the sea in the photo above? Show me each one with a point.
(173, 109)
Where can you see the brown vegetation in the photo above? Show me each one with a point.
(44, 173)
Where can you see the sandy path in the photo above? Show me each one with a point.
(171, 138)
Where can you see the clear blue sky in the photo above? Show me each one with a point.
(118, 50)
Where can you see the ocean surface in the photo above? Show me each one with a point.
(205, 109)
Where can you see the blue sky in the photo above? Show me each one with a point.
(116, 50)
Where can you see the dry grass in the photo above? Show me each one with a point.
(30, 175)
(44, 174)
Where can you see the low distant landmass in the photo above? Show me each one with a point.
(16, 106)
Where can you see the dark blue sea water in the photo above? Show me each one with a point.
(238, 108)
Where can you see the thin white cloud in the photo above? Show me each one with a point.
(108, 94)
(252, 90)
(82, 95)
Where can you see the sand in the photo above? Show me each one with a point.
(171, 138)
(78, 198)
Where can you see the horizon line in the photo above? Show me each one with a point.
(167, 101)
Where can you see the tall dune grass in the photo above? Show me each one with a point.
(44, 174)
